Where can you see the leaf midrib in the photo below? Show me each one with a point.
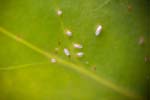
(73, 66)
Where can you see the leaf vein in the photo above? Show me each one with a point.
(73, 66)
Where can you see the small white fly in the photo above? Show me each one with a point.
(80, 54)
(66, 51)
(68, 33)
(78, 46)
(98, 30)
(59, 12)
(53, 60)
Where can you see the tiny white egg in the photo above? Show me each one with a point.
(141, 40)
(59, 12)
(53, 60)
(56, 49)
(80, 54)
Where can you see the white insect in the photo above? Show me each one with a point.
(53, 60)
(80, 54)
(68, 33)
(66, 51)
(59, 12)
(98, 30)
(78, 46)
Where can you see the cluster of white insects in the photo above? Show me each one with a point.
(75, 45)
(80, 46)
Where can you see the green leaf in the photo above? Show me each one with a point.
(114, 65)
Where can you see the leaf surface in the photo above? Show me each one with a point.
(113, 65)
